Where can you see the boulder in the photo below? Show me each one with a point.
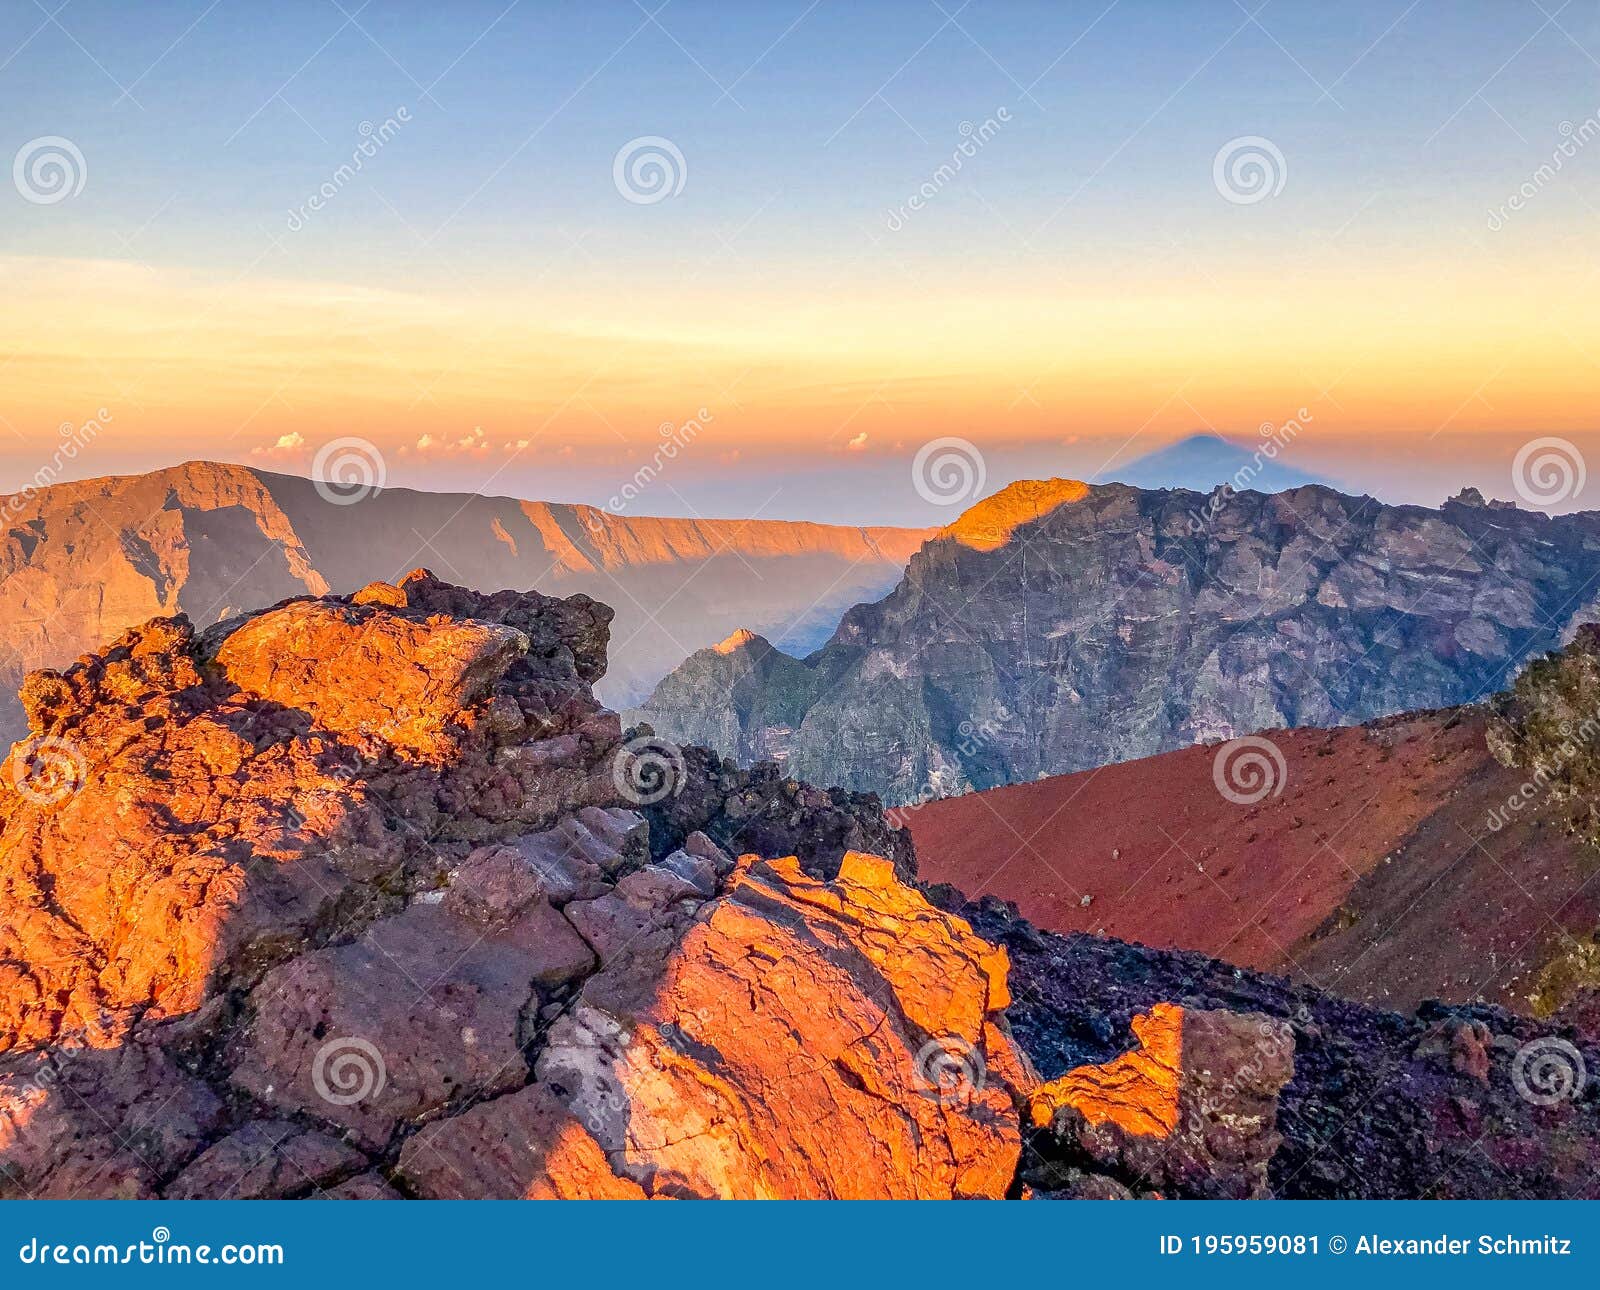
(1193, 1108)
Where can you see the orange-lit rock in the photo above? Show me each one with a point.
(188, 810)
(360, 671)
(803, 1038)
(1137, 1093)
(526, 1145)
(1193, 1108)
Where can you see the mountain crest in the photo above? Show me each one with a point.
(738, 639)
(990, 523)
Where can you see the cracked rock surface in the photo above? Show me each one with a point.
(341, 899)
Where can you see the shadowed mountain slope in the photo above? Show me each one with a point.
(1058, 626)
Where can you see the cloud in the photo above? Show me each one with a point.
(858, 444)
(289, 445)
(475, 445)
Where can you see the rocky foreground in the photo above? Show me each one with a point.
(369, 896)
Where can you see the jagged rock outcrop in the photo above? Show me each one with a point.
(1058, 626)
(349, 899)
(345, 898)
(764, 810)
(81, 563)
(185, 812)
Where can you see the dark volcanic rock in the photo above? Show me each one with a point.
(1379, 1105)
(765, 811)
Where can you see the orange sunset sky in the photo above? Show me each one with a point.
(486, 304)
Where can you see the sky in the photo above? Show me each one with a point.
(517, 247)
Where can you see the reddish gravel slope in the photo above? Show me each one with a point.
(1374, 873)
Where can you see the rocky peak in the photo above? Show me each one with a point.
(739, 639)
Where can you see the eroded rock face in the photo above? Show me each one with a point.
(802, 1038)
(342, 899)
(187, 811)
(1058, 626)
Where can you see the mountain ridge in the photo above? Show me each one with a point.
(1123, 622)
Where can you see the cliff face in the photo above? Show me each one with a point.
(81, 563)
(1060, 626)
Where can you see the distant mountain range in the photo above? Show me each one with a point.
(1203, 461)
(81, 562)
(1059, 626)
